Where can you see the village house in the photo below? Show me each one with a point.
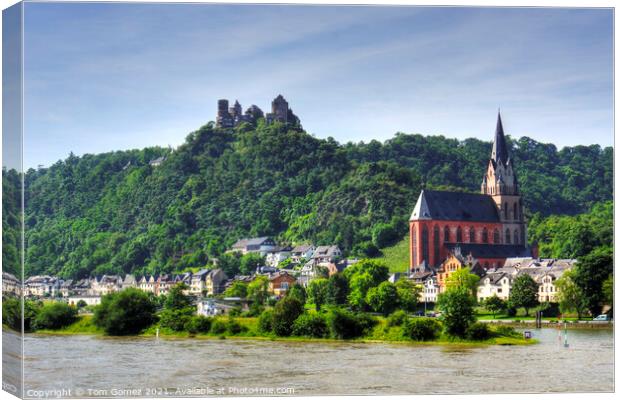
(66, 288)
(280, 283)
(323, 255)
(198, 282)
(147, 284)
(278, 254)
(302, 253)
(129, 282)
(10, 284)
(261, 245)
(453, 263)
(215, 282)
(42, 286)
(90, 300)
(495, 284)
(106, 284)
(430, 290)
(163, 284)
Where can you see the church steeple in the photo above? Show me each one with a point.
(500, 151)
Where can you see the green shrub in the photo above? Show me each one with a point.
(265, 321)
(12, 313)
(397, 318)
(55, 315)
(421, 329)
(127, 312)
(478, 331)
(310, 325)
(344, 324)
(285, 313)
(506, 331)
(198, 324)
(218, 326)
(235, 312)
(255, 310)
(176, 319)
(234, 327)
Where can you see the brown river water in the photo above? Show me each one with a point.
(89, 366)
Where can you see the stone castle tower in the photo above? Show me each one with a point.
(500, 182)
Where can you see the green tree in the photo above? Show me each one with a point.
(237, 289)
(127, 312)
(258, 289)
(524, 292)
(286, 311)
(383, 298)
(176, 299)
(608, 290)
(337, 289)
(494, 304)
(570, 296)
(457, 307)
(298, 292)
(249, 262)
(362, 276)
(463, 278)
(317, 291)
(12, 314)
(408, 294)
(590, 273)
(55, 315)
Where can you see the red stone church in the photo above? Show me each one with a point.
(489, 226)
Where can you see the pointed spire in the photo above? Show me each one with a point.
(500, 152)
(421, 210)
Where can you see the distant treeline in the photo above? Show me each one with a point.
(116, 213)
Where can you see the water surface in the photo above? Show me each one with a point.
(135, 367)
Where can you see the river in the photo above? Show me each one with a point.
(90, 366)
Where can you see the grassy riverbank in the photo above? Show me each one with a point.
(381, 333)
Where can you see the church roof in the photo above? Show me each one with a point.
(482, 250)
(454, 206)
(500, 151)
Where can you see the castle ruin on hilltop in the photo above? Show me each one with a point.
(229, 117)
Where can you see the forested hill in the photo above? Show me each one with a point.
(115, 213)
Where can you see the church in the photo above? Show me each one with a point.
(488, 226)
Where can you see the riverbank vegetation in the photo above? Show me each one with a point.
(357, 305)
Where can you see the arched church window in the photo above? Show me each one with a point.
(515, 213)
(516, 236)
(507, 236)
(485, 235)
(425, 243)
(414, 244)
(446, 234)
(459, 235)
(472, 235)
(505, 210)
(436, 244)
(496, 236)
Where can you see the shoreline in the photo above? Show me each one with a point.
(497, 341)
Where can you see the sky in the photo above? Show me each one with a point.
(113, 76)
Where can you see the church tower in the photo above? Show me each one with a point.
(500, 182)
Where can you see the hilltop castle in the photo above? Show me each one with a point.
(229, 117)
(488, 226)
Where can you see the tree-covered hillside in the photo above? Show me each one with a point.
(115, 213)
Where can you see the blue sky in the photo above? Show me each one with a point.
(102, 77)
